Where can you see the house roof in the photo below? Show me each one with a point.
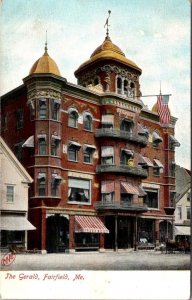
(7, 151)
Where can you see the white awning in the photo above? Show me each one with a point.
(57, 101)
(92, 147)
(145, 160)
(128, 152)
(87, 113)
(142, 130)
(56, 137)
(41, 136)
(15, 223)
(57, 177)
(158, 163)
(107, 151)
(174, 141)
(29, 142)
(107, 119)
(156, 137)
(41, 176)
(75, 144)
(71, 109)
(182, 230)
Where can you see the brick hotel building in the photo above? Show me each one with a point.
(103, 166)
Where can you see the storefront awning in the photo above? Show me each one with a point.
(107, 187)
(29, 142)
(15, 223)
(182, 230)
(89, 224)
(158, 163)
(145, 160)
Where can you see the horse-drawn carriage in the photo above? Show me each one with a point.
(172, 246)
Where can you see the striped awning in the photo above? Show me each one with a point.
(130, 188)
(107, 187)
(145, 160)
(15, 223)
(89, 224)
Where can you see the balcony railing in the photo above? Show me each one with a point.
(123, 134)
(122, 205)
(136, 171)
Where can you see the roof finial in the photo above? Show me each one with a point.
(107, 24)
(46, 43)
(160, 88)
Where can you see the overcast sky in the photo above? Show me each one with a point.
(155, 34)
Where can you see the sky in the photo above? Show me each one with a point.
(155, 34)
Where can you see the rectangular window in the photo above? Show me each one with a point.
(79, 190)
(54, 188)
(54, 146)
(42, 146)
(87, 156)
(127, 198)
(188, 213)
(108, 198)
(55, 109)
(42, 109)
(42, 184)
(72, 153)
(19, 118)
(179, 212)
(152, 198)
(172, 199)
(107, 155)
(172, 169)
(156, 171)
(10, 193)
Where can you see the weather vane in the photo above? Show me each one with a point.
(46, 42)
(107, 24)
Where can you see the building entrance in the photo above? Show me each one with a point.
(120, 235)
(57, 234)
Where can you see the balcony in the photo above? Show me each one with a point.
(121, 134)
(122, 205)
(125, 169)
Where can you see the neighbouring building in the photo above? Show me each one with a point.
(183, 204)
(103, 165)
(14, 183)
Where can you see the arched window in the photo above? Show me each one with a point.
(126, 87)
(96, 81)
(119, 85)
(73, 119)
(87, 122)
(132, 90)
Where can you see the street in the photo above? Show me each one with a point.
(111, 261)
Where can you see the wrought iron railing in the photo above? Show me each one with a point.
(122, 205)
(131, 170)
(123, 134)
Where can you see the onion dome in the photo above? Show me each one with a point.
(108, 50)
(45, 64)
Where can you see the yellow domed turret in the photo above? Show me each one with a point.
(108, 50)
(45, 64)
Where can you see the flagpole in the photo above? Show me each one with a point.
(152, 96)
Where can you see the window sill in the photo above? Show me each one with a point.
(78, 203)
(86, 163)
(72, 127)
(75, 161)
(88, 130)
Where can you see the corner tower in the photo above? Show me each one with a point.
(109, 70)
